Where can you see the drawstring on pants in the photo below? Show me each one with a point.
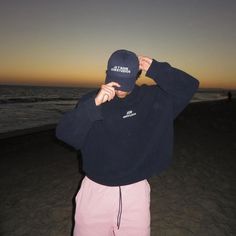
(120, 208)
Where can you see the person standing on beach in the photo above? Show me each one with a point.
(125, 134)
(229, 94)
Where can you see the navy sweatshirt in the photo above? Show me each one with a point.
(129, 139)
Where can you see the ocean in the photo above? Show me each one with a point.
(23, 107)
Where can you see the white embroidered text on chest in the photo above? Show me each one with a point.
(129, 114)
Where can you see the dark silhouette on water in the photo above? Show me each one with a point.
(229, 96)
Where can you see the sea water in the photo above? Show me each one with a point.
(23, 107)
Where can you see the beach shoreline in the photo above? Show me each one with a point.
(45, 127)
(195, 196)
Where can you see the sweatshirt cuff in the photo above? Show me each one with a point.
(94, 112)
(157, 67)
(158, 71)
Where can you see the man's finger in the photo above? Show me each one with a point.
(105, 98)
(144, 59)
(113, 84)
(109, 89)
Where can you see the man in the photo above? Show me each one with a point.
(125, 134)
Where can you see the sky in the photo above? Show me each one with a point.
(68, 43)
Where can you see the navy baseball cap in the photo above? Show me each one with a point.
(123, 68)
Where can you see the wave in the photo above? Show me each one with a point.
(197, 98)
(33, 99)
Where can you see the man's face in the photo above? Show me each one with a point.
(121, 94)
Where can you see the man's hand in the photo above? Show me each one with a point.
(106, 93)
(144, 63)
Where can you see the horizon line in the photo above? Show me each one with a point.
(85, 86)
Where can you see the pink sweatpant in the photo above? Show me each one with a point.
(107, 211)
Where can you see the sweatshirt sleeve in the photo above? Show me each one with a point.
(75, 124)
(178, 84)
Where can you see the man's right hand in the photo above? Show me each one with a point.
(106, 93)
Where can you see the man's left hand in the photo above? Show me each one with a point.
(144, 63)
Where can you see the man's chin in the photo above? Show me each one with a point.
(120, 96)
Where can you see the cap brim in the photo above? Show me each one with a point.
(125, 84)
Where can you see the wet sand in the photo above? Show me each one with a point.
(195, 196)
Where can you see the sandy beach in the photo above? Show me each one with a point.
(195, 196)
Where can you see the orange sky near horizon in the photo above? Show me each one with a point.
(82, 75)
(60, 43)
